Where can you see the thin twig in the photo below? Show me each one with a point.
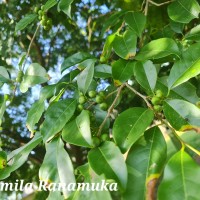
(29, 47)
(140, 95)
(110, 109)
(111, 94)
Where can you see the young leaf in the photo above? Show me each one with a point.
(24, 22)
(78, 131)
(19, 156)
(106, 160)
(56, 163)
(136, 21)
(185, 68)
(35, 74)
(145, 163)
(181, 113)
(49, 4)
(4, 76)
(74, 59)
(181, 178)
(146, 75)
(130, 126)
(187, 10)
(125, 45)
(193, 34)
(65, 6)
(56, 116)
(84, 79)
(122, 70)
(159, 48)
(102, 71)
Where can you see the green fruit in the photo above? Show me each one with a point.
(42, 7)
(36, 9)
(96, 141)
(44, 17)
(159, 93)
(102, 93)
(43, 22)
(19, 76)
(103, 106)
(105, 137)
(39, 17)
(82, 100)
(155, 100)
(40, 12)
(80, 107)
(3, 159)
(49, 22)
(99, 99)
(103, 59)
(92, 93)
(157, 108)
(198, 104)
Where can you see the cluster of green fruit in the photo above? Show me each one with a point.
(157, 100)
(3, 159)
(99, 98)
(45, 21)
(98, 140)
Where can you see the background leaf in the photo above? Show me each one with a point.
(65, 6)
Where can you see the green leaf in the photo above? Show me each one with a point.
(19, 156)
(35, 74)
(2, 107)
(145, 163)
(125, 45)
(49, 4)
(181, 113)
(186, 68)
(187, 10)
(130, 126)
(193, 34)
(136, 21)
(157, 49)
(106, 160)
(56, 116)
(65, 6)
(181, 179)
(102, 71)
(47, 92)
(74, 59)
(84, 79)
(24, 22)
(4, 76)
(78, 131)
(122, 70)
(55, 195)
(146, 75)
(57, 163)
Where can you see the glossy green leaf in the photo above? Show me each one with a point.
(146, 75)
(2, 107)
(78, 131)
(130, 126)
(159, 48)
(103, 71)
(24, 22)
(49, 4)
(74, 59)
(56, 116)
(176, 26)
(185, 91)
(84, 79)
(136, 21)
(35, 74)
(181, 114)
(57, 163)
(145, 163)
(125, 45)
(187, 10)
(55, 195)
(186, 68)
(122, 70)
(65, 6)
(193, 34)
(4, 76)
(106, 160)
(181, 179)
(19, 156)
(47, 92)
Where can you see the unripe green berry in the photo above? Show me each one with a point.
(3, 159)
(40, 12)
(19, 76)
(92, 93)
(103, 106)
(82, 100)
(39, 17)
(42, 7)
(102, 93)
(44, 17)
(96, 141)
(155, 100)
(105, 137)
(102, 59)
(198, 104)
(49, 22)
(80, 107)
(159, 93)
(36, 9)
(157, 108)
(99, 99)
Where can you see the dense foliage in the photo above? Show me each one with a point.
(100, 90)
